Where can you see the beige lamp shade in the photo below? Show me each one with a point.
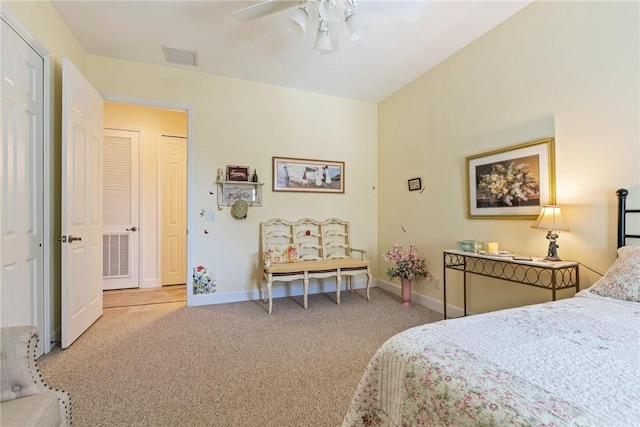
(550, 218)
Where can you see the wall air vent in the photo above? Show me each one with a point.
(180, 56)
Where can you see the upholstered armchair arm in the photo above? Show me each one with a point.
(361, 251)
(20, 377)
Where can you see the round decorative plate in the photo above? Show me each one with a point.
(239, 209)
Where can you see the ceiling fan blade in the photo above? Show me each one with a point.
(406, 10)
(259, 10)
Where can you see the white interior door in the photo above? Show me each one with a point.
(121, 213)
(22, 183)
(174, 209)
(81, 204)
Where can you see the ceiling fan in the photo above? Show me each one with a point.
(329, 12)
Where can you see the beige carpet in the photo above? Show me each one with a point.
(126, 298)
(228, 364)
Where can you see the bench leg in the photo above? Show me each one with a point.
(338, 286)
(306, 291)
(368, 284)
(269, 295)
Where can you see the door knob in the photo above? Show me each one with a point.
(132, 229)
(73, 239)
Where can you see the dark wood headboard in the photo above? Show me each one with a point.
(622, 217)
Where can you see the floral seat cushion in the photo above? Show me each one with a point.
(281, 255)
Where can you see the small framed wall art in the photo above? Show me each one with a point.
(415, 184)
(237, 173)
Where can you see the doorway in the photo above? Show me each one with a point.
(153, 126)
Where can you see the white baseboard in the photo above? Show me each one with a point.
(423, 300)
(278, 290)
(290, 289)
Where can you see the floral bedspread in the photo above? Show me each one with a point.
(574, 362)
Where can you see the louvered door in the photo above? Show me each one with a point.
(121, 238)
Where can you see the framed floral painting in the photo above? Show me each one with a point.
(512, 182)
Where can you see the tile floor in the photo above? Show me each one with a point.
(144, 306)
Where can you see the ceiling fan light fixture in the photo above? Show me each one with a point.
(323, 41)
(331, 10)
(297, 22)
(356, 25)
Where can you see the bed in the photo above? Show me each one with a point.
(573, 362)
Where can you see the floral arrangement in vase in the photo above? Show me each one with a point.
(507, 185)
(407, 264)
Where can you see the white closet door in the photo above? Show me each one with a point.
(22, 185)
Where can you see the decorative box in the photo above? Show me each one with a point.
(470, 245)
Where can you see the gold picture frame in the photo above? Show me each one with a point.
(511, 183)
(307, 176)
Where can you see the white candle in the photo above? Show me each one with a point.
(493, 247)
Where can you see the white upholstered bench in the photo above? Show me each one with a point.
(308, 249)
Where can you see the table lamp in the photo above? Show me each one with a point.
(550, 219)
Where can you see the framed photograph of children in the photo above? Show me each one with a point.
(308, 176)
(513, 182)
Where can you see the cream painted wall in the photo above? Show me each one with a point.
(564, 69)
(151, 123)
(243, 123)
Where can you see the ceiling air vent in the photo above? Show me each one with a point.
(180, 57)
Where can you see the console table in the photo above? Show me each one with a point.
(551, 275)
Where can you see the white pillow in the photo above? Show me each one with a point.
(622, 280)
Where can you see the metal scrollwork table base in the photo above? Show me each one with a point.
(553, 276)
